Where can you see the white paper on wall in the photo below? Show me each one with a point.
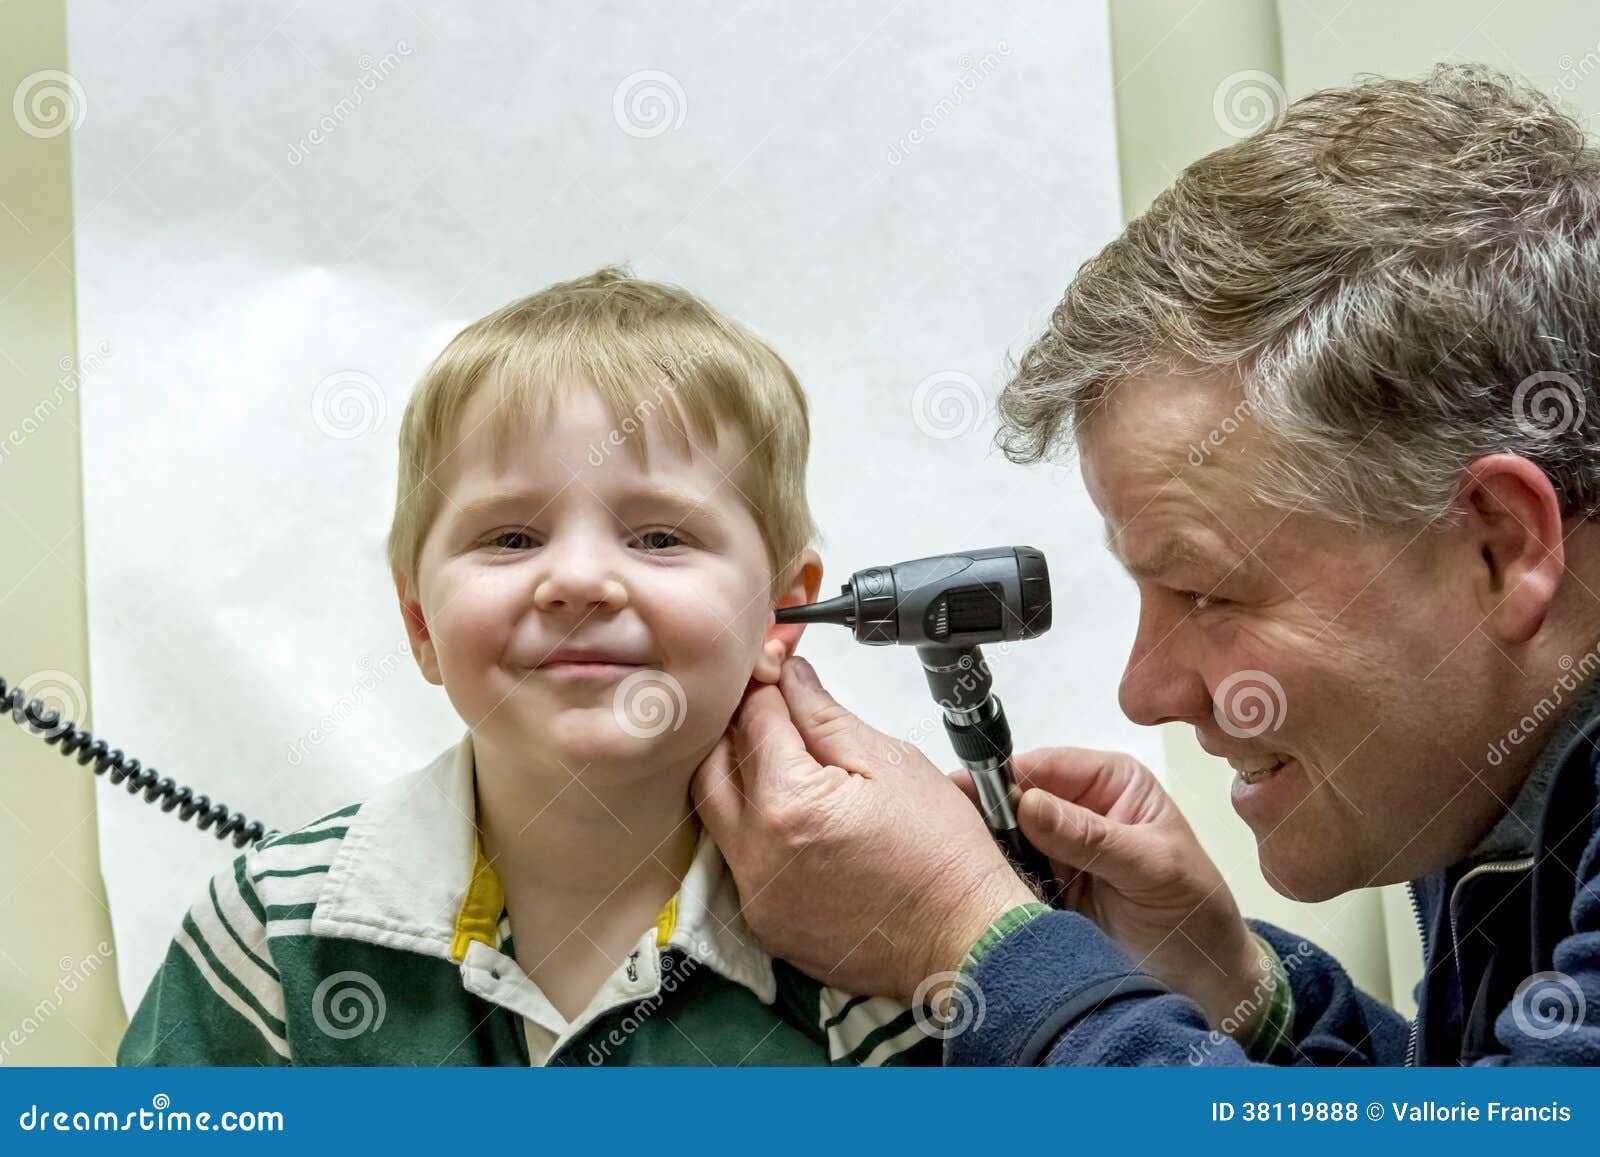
(283, 213)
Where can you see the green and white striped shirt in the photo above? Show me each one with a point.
(378, 935)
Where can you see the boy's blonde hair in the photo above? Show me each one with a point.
(646, 349)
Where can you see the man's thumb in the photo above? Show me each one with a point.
(1074, 836)
(831, 733)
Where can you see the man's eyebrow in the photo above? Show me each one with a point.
(1172, 553)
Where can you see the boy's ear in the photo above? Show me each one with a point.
(783, 638)
(422, 648)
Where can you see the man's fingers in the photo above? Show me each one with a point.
(766, 746)
(1097, 780)
(830, 732)
(717, 792)
(1077, 837)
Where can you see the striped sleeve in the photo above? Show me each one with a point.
(217, 999)
(875, 1030)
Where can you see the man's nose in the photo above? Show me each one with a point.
(578, 576)
(1158, 686)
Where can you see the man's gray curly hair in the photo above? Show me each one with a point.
(1403, 276)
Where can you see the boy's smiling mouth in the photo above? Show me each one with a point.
(589, 663)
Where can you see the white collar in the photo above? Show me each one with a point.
(410, 874)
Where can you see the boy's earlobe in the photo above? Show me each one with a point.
(768, 666)
(417, 632)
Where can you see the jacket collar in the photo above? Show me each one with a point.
(410, 874)
(1517, 833)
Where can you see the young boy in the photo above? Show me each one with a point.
(601, 501)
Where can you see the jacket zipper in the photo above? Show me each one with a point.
(1493, 867)
(1422, 935)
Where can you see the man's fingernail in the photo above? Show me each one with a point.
(803, 673)
(1047, 808)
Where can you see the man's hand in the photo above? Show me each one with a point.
(1128, 860)
(857, 860)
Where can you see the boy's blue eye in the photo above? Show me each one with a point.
(650, 539)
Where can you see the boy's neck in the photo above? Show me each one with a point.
(601, 841)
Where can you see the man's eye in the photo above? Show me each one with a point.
(659, 540)
(1200, 602)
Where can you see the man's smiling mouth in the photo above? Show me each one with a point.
(1255, 768)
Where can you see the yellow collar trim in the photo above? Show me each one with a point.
(667, 921)
(479, 917)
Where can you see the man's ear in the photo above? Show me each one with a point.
(422, 648)
(783, 638)
(1513, 525)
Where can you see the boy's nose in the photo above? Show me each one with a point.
(578, 585)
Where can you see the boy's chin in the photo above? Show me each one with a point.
(601, 739)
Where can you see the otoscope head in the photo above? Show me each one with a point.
(981, 596)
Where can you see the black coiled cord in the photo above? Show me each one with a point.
(70, 739)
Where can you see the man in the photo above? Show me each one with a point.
(1334, 397)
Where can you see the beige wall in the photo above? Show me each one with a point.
(58, 990)
(1168, 61)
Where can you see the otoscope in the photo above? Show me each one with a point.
(945, 606)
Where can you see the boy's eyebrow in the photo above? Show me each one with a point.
(667, 495)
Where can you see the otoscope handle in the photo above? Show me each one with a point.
(982, 741)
